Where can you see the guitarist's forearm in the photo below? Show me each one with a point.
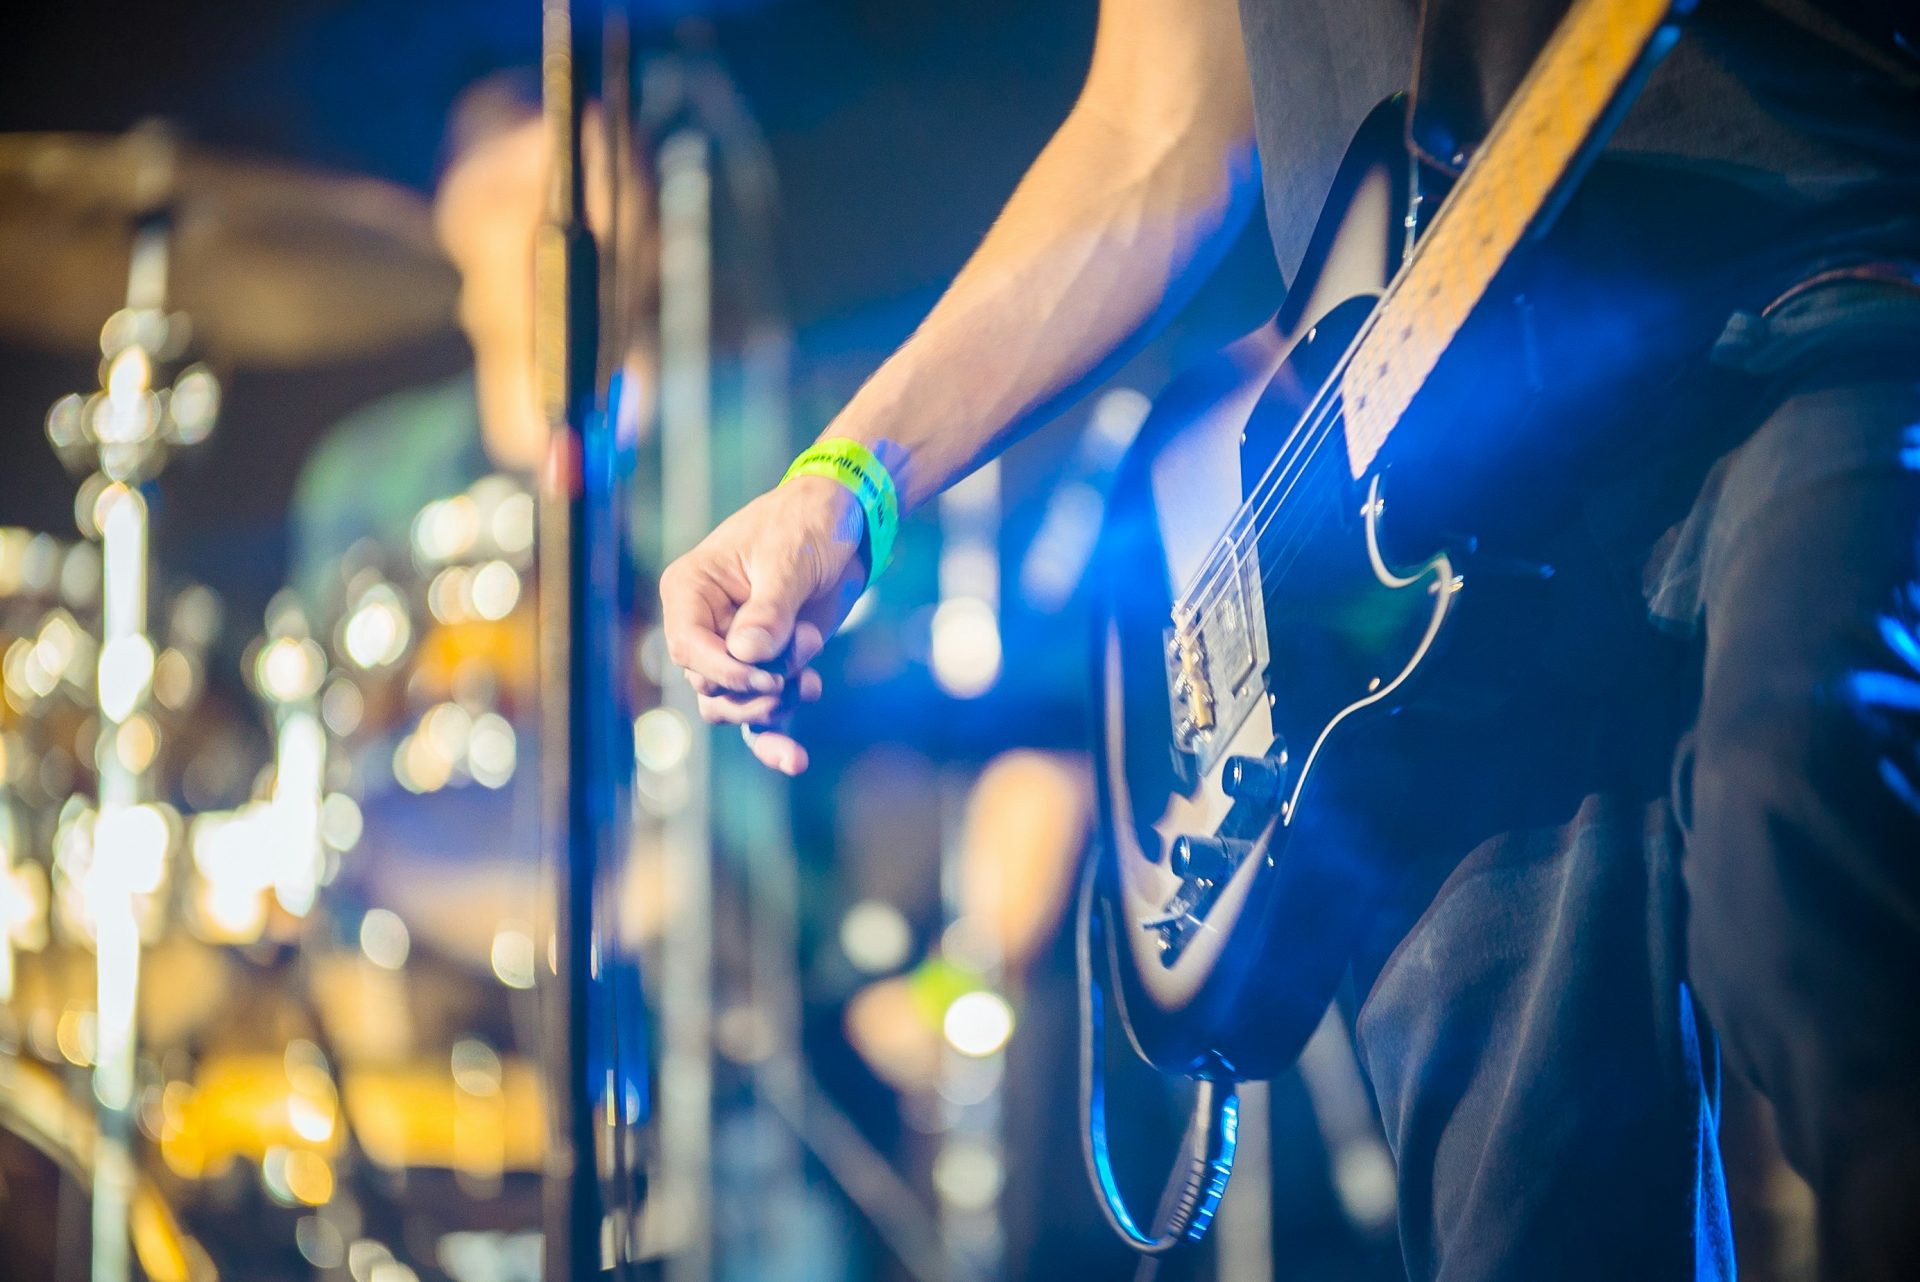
(1129, 204)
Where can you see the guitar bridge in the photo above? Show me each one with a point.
(1214, 652)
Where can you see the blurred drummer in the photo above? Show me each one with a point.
(373, 472)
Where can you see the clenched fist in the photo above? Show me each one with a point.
(747, 609)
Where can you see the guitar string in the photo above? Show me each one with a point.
(1222, 563)
(1284, 458)
(1262, 505)
(1261, 509)
(1316, 507)
(1210, 582)
(1308, 510)
(1224, 560)
(1288, 520)
(1265, 508)
(1278, 553)
(1295, 514)
(1279, 557)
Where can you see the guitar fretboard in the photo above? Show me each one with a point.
(1530, 150)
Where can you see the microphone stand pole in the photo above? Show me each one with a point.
(580, 697)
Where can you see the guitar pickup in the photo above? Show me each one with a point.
(1214, 652)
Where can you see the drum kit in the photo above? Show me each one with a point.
(237, 986)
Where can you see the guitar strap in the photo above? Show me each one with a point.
(1471, 55)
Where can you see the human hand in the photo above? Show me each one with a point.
(749, 607)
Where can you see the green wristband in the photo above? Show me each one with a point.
(854, 466)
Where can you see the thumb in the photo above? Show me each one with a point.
(763, 625)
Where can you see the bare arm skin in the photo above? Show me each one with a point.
(1129, 204)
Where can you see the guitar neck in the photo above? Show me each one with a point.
(1557, 119)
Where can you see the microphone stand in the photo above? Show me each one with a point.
(582, 699)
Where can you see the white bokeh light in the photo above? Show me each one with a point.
(978, 1023)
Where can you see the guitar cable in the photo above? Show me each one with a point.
(1192, 1193)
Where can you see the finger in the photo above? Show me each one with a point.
(706, 656)
(689, 612)
(808, 641)
(736, 710)
(763, 626)
(777, 750)
(806, 683)
(821, 617)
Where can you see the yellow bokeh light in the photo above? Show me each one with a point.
(309, 1177)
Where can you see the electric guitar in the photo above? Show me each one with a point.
(1261, 604)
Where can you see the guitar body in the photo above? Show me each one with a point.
(1272, 586)
(1236, 881)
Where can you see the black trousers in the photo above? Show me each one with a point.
(1695, 840)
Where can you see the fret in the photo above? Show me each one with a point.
(1586, 63)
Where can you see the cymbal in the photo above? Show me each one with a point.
(271, 263)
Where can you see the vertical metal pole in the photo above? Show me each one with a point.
(576, 594)
(713, 165)
(125, 858)
(123, 531)
(969, 1168)
(686, 980)
(1243, 1233)
(969, 1160)
(771, 864)
(1362, 1166)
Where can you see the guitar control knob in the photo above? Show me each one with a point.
(1258, 781)
(1211, 859)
